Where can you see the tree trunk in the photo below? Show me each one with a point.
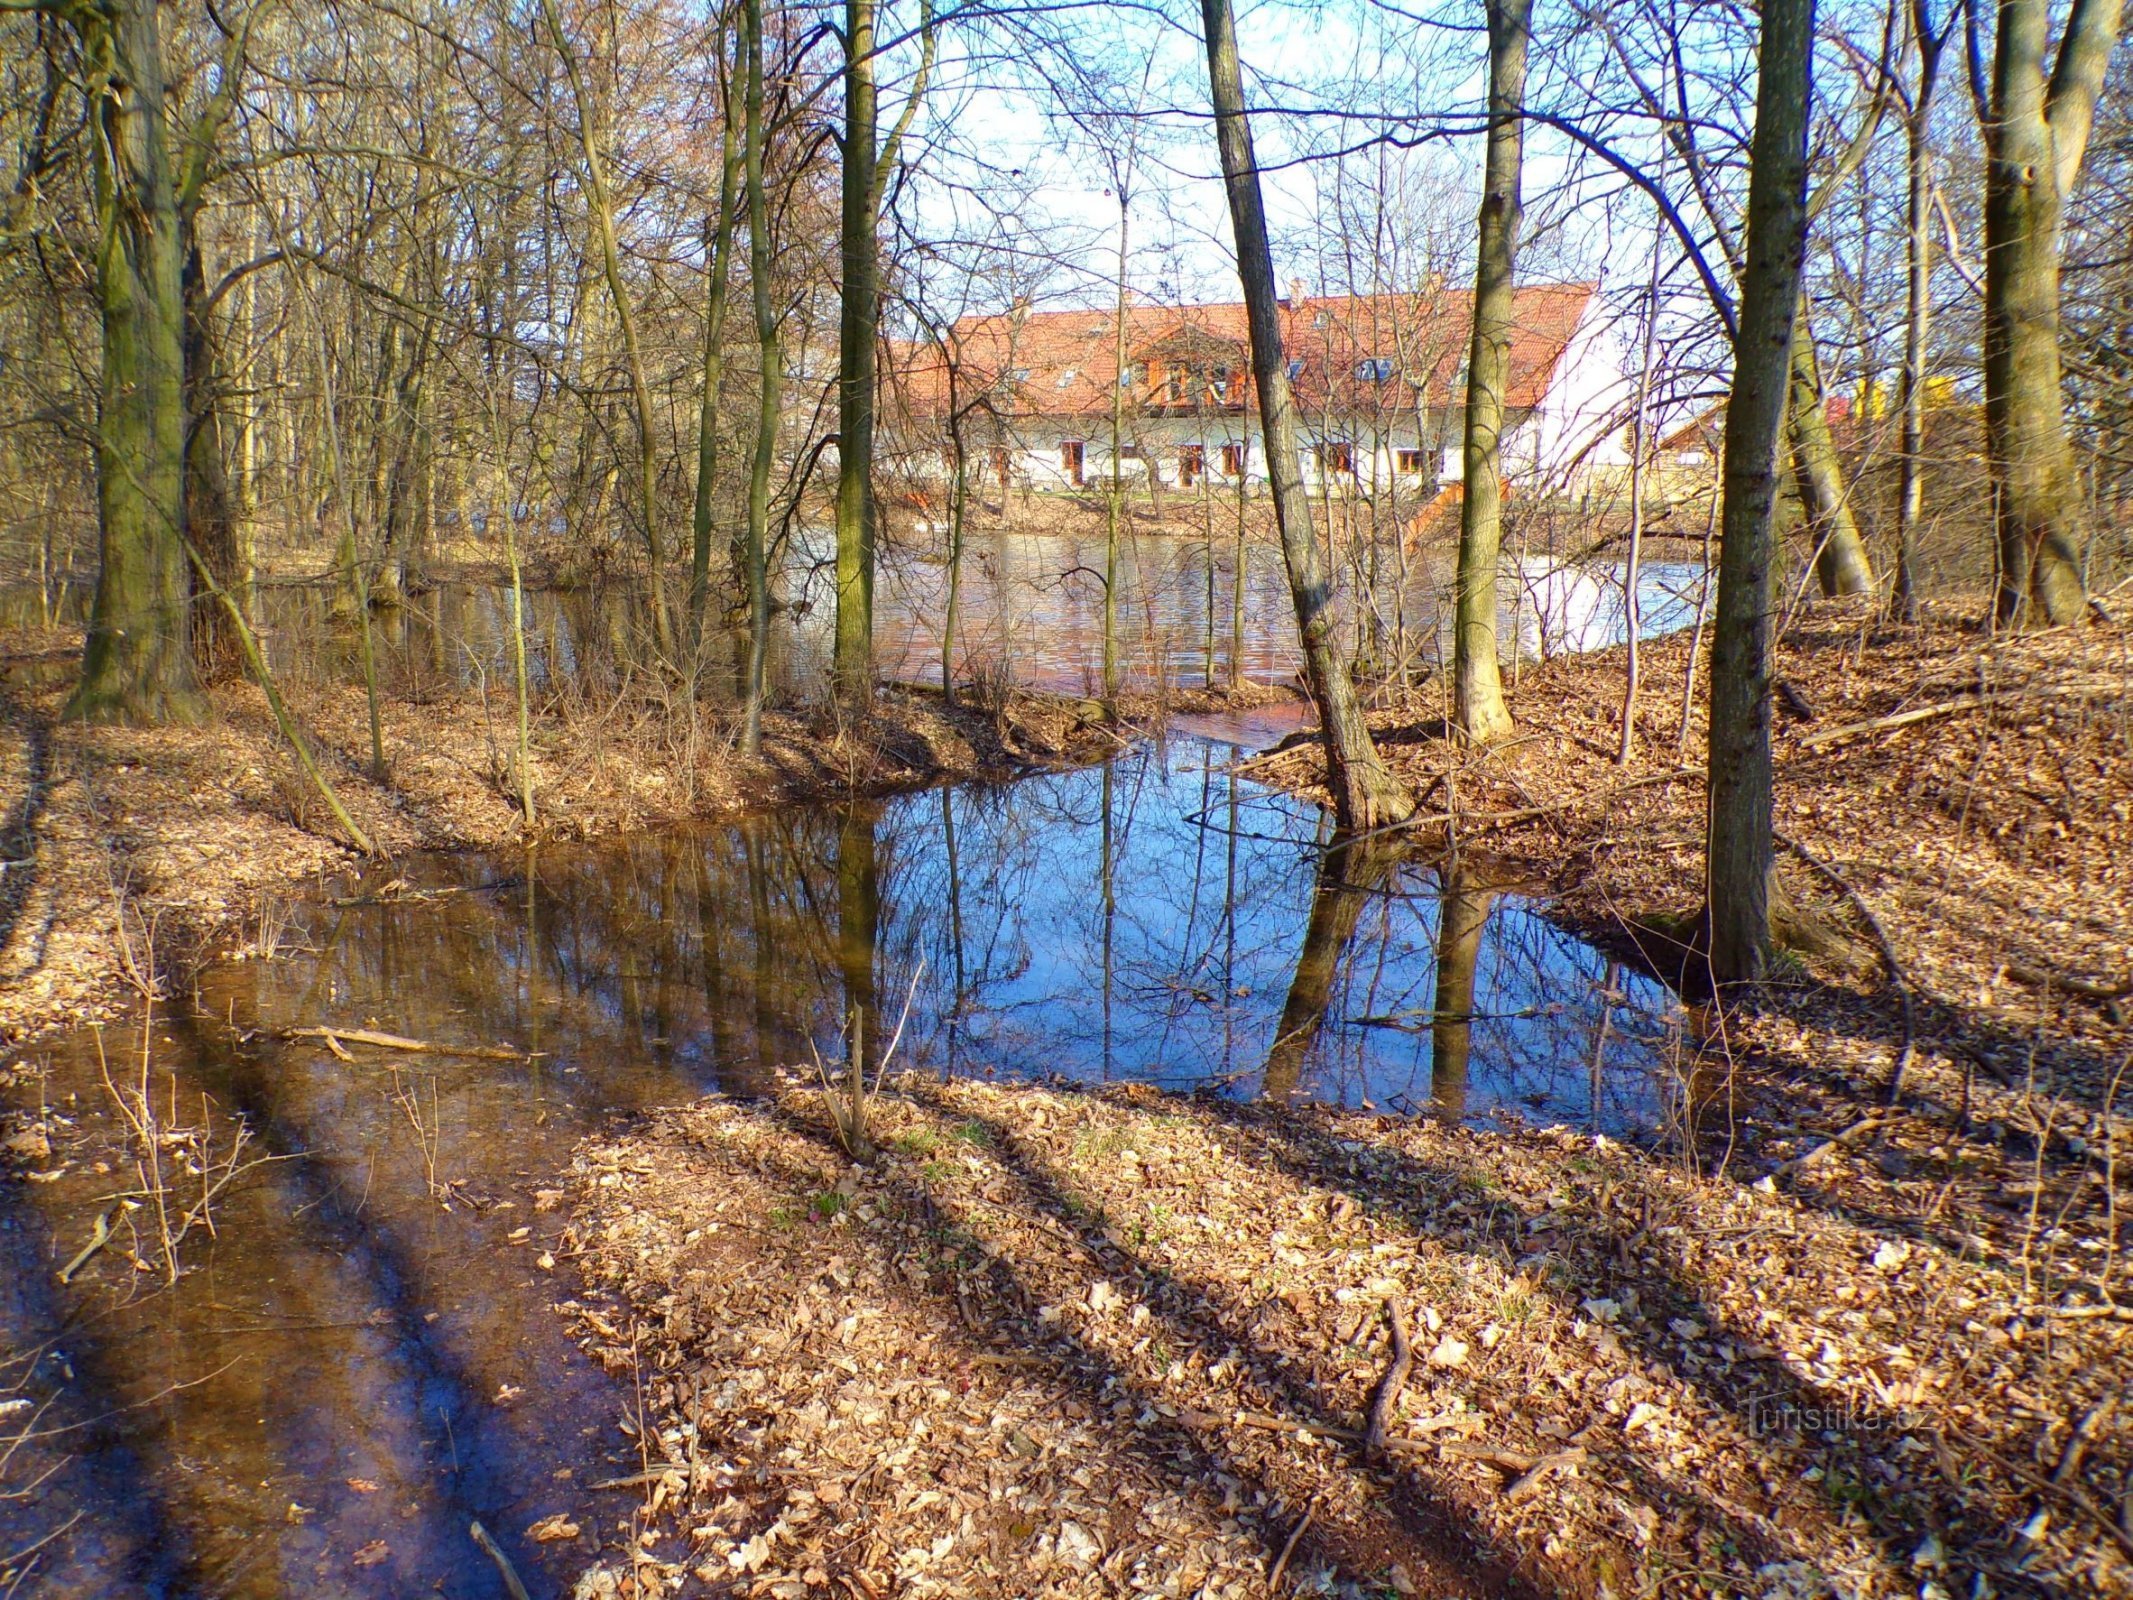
(1365, 793)
(719, 233)
(1477, 685)
(601, 204)
(770, 384)
(1918, 308)
(865, 174)
(1115, 486)
(1840, 553)
(1738, 851)
(213, 519)
(2035, 139)
(859, 312)
(137, 661)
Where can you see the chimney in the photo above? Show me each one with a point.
(1296, 294)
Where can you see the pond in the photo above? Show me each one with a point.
(1030, 611)
(362, 1358)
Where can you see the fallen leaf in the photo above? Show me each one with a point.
(372, 1553)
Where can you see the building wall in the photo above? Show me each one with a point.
(1583, 420)
(1579, 425)
(1037, 459)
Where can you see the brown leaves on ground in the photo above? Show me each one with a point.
(1062, 1344)
(1975, 794)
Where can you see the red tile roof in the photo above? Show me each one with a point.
(1194, 358)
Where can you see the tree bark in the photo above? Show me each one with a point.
(1365, 793)
(137, 660)
(866, 170)
(2035, 138)
(1918, 310)
(770, 382)
(719, 234)
(858, 316)
(1738, 848)
(1477, 685)
(601, 204)
(213, 519)
(1841, 565)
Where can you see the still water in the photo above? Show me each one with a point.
(362, 1357)
(1030, 611)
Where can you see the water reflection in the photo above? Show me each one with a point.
(1349, 873)
(1030, 609)
(1155, 918)
(364, 1356)
(1463, 909)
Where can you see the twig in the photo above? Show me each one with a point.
(334, 1038)
(637, 1480)
(1943, 708)
(495, 1553)
(1526, 1481)
(1288, 1549)
(99, 1236)
(1822, 1152)
(2077, 1444)
(28, 1551)
(2087, 988)
(1387, 1399)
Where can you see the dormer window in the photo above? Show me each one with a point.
(1296, 369)
(1375, 369)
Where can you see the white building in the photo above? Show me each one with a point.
(1380, 382)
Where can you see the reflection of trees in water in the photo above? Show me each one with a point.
(1349, 873)
(1156, 918)
(1462, 913)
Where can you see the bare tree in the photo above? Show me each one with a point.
(2037, 114)
(1365, 793)
(1738, 858)
(1477, 686)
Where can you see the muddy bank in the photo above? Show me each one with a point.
(1057, 1343)
(132, 852)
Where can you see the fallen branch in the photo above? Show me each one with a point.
(99, 1236)
(1320, 1430)
(1469, 821)
(335, 1038)
(1949, 708)
(2087, 988)
(1530, 1479)
(1288, 1549)
(637, 1480)
(1386, 1401)
(1822, 1152)
(495, 1553)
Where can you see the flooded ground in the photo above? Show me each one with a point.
(359, 1359)
(1030, 610)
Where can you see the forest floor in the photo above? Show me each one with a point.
(1823, 1341)
(129, 853)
